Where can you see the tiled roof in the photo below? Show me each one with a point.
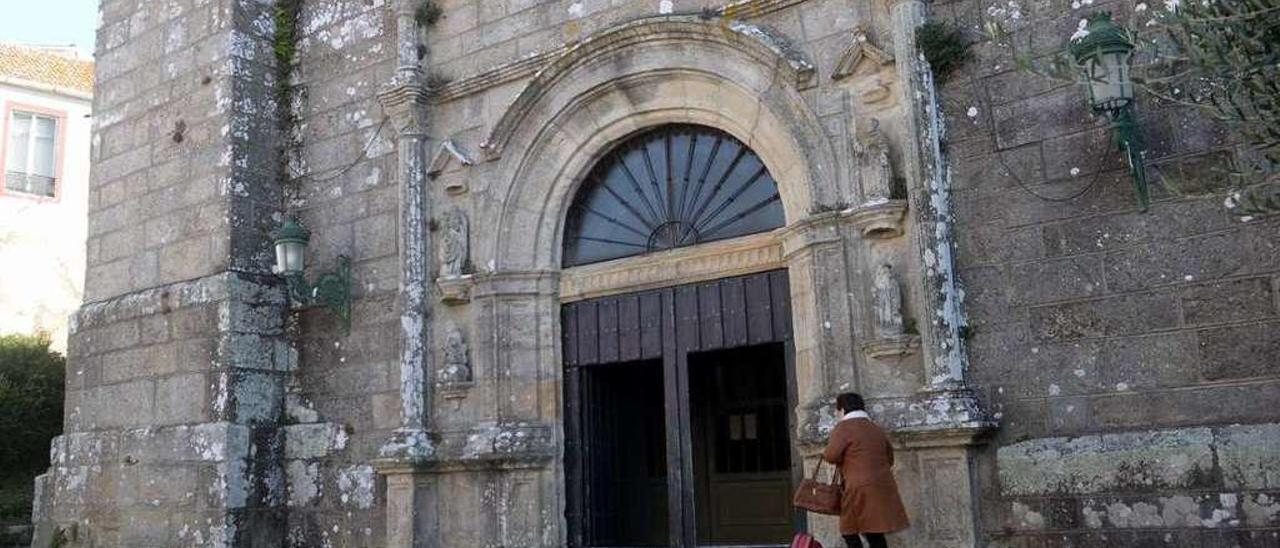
(46, 67)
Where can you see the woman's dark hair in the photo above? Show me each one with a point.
(850, 401)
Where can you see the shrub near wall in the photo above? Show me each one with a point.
(31, 389)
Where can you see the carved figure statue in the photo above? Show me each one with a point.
(456, 246)
(457, 366)
(877, 173)
(888, 301)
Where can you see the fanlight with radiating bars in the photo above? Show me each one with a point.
(670, 187)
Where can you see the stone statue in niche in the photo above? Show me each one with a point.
(877, 173)
(888, 301)
(457, 367)
(456, 249)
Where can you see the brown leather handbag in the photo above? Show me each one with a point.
(818, 497)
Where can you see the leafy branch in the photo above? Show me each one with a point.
(1221, 57)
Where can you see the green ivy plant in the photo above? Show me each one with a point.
(285, 47)
(427, 13)
(944, 46)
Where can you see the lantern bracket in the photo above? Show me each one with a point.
(331, 290)
(1128, 136)
(1111, 92)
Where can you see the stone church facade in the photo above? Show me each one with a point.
(1053, 373)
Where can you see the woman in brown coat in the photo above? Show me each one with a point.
(870, 505)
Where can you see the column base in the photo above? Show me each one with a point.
(407, 446)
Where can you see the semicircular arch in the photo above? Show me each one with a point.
(600, 100)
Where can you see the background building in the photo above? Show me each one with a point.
(1064, 372)
(45, 94)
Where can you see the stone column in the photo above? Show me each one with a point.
(404, 100)
(409, 496)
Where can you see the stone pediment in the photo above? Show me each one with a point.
(447, 153)
(861, 54)
(762, 44)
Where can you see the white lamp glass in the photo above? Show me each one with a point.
(295, 254)
(1109, 83)
(290, 256)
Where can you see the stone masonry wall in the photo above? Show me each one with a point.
(178, 359)
(1129, 355)
(348, 194)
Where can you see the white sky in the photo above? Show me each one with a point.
(49, 22)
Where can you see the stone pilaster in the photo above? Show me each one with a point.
(943, 422)
(825, 327)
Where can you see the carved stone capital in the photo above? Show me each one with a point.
(879, 220)
(455, 289)
(813, 231)
(403, 102)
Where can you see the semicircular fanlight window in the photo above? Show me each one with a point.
(669, 187)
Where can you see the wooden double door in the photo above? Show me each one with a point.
(678, 416)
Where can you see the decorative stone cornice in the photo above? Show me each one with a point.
(403, 103)
(960, 436)
(491, 447)
(403, 94)
(739, 256)
(496, 76)
(530, 283)
(879, 219)
(407, 446)
(926, 419)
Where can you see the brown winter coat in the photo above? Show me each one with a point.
(870, 503)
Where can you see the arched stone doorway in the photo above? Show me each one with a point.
(677, 400)
(500, 447)
(682, 72)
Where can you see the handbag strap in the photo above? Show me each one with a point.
(836, 477)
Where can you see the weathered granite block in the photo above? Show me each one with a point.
(1240, 352)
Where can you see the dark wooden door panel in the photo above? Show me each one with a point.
(616, 497)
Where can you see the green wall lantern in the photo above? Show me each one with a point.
(1104, 52)
(332, 289)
